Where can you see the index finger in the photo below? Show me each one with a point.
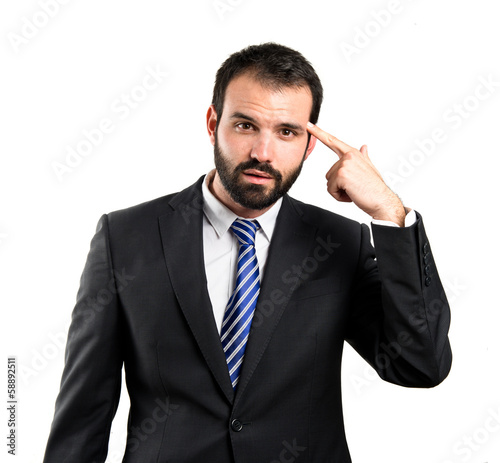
(329, 140)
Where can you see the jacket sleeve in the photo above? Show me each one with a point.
(400, 315)
(91, 380)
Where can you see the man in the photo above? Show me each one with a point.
(250, 375)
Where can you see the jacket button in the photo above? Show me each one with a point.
(427, 270)
(428, 281)
(236, 425)
(426, 248)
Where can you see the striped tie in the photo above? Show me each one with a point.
(241, 306)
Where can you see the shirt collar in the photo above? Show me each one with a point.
(221, 217)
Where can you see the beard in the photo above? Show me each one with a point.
(251, 195)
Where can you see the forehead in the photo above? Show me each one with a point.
(245, 94)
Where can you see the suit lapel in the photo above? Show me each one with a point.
(182, 239)
(291, 243)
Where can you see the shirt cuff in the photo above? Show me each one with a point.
(410, 219)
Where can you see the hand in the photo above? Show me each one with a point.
(354, 178)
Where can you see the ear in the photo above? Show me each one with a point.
(211, 123)
(310, 146)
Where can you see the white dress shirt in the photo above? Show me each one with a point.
(220, 246)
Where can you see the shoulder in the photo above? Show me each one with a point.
(322, 218)
(147, 213)
(331, 227)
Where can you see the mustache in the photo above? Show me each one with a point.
(262, 166)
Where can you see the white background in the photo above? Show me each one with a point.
(62, 74)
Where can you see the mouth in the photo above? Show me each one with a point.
(257, 176)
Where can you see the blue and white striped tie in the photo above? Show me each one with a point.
(241, 305)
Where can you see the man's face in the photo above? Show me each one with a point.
(260, 142)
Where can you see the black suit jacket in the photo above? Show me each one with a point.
(143, 302)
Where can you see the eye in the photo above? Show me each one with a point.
(287, 133)
(244, 126)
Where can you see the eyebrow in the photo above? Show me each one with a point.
(288, 125)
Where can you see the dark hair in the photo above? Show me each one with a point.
(273, 65)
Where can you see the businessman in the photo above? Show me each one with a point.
(228, 303)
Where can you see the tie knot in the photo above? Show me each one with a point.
(245, 230)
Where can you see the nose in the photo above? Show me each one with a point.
(262, 149)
